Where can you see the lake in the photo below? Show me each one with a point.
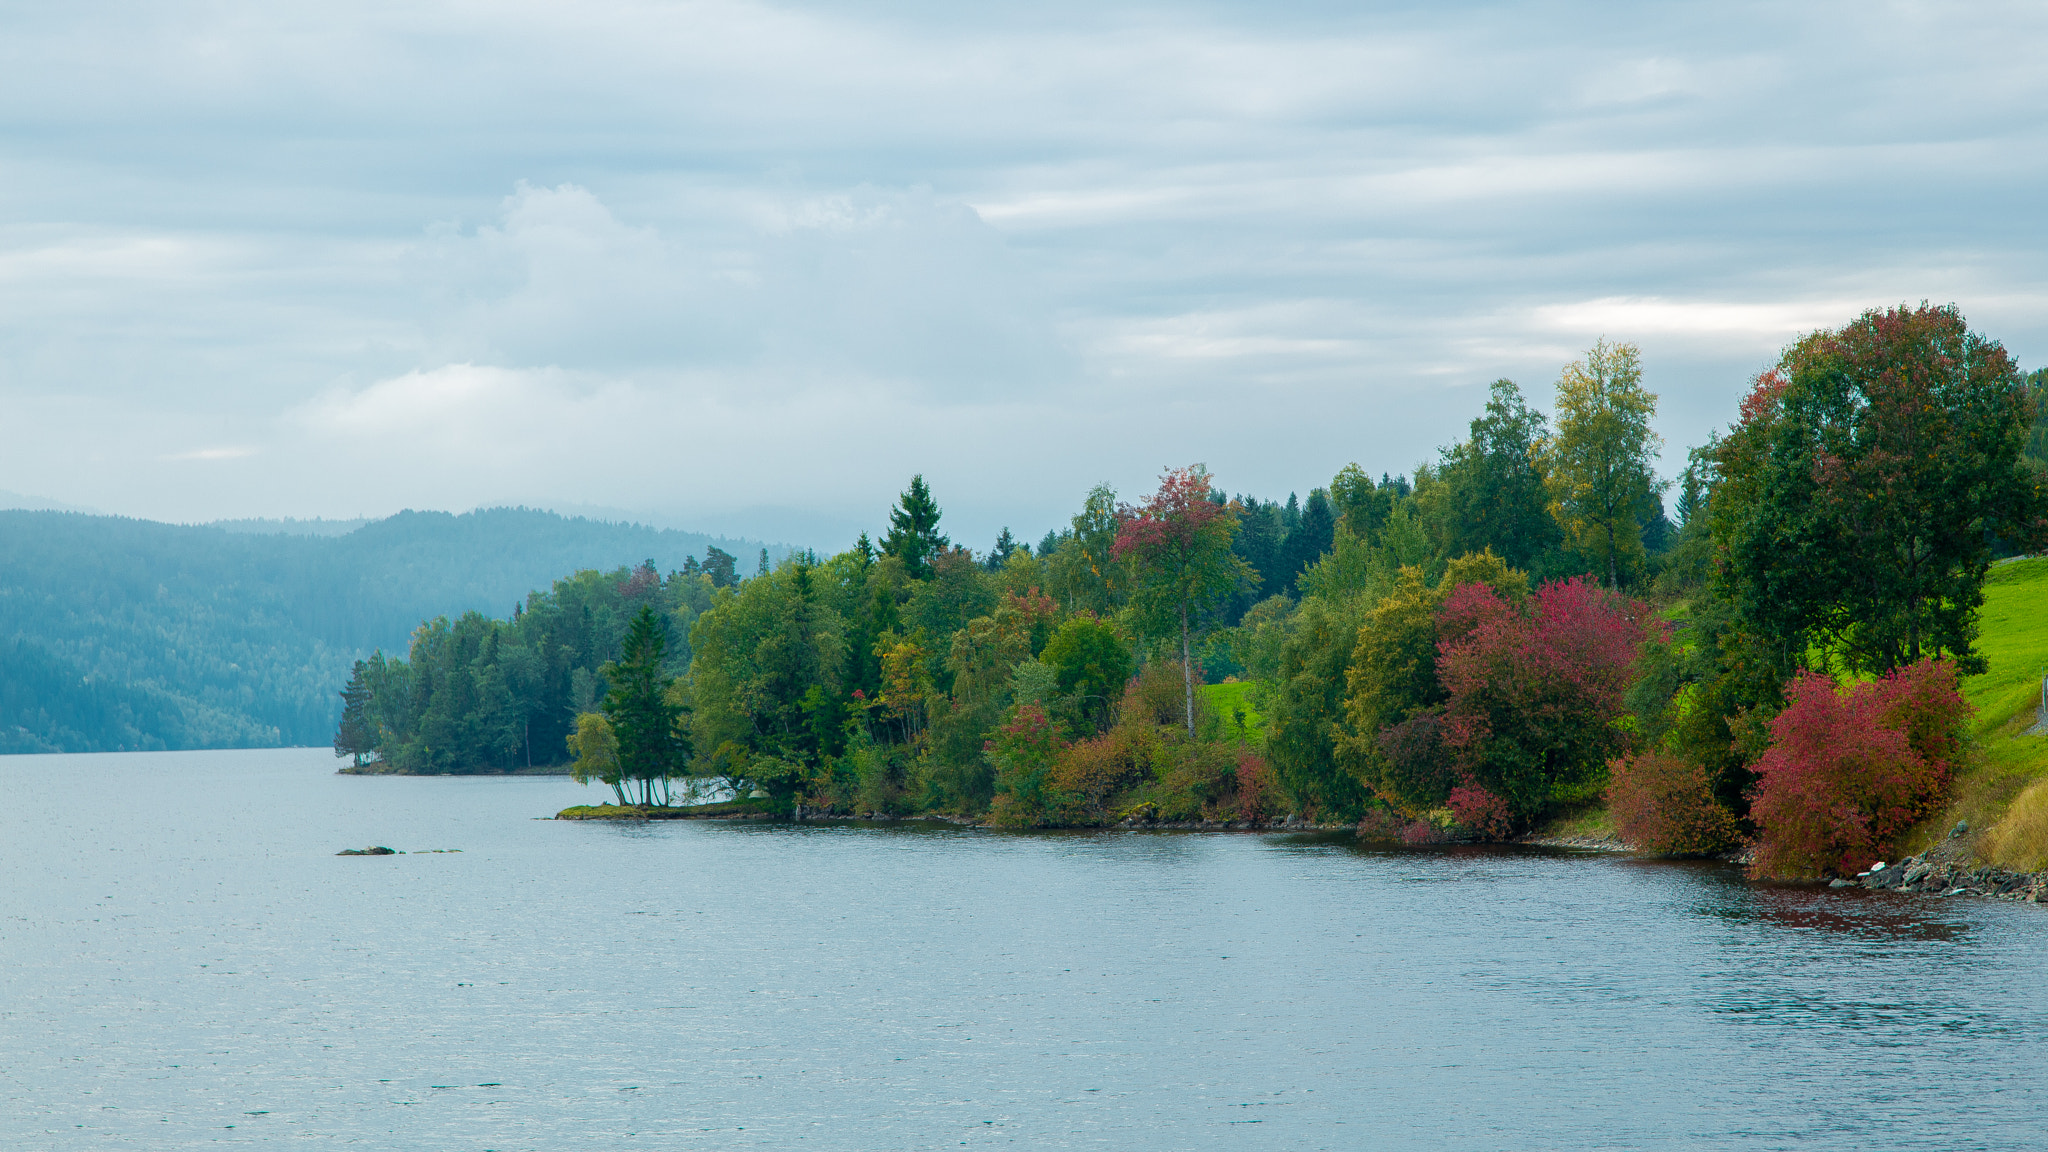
(184, 962)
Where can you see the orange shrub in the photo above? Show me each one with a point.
(1663, 803)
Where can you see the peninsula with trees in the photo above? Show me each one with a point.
(1514, 636)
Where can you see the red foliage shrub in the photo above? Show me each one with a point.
(1383, 825)
(1663, 803)
(1534, 694)
(1088, 774)
(1258, 790)
(1849, 771)
(1419, 832)
(1482, 811)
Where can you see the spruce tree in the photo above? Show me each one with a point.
(914, 530)
(357, 735)
(651, 746)
(1005, 546)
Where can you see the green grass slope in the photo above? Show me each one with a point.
(2003, 793)
(1231, 704)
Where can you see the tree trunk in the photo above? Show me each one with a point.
(1187, 669)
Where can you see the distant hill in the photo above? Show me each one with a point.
(128, 634)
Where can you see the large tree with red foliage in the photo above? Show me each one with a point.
(1178, 543)
(1535, 692)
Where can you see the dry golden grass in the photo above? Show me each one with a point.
(2020, 839)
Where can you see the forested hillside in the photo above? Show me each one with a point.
(130, 634)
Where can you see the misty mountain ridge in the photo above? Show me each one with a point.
(124, 634)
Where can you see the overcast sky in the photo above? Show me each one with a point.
(749, 266)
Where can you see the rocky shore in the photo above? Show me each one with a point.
(1931, 875)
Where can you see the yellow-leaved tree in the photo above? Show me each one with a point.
(1598, 462)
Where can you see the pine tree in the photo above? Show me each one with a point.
(718, 564)
(1310, 535)
(357, 735)
(1005, 546)
(651, 746)
(914, 536)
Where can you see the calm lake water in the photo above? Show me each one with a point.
(185, 963)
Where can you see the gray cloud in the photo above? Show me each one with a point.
(298, 259)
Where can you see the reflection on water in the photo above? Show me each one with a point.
(191, 966)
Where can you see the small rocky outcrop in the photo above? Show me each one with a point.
(380, 850)
(1929, 874)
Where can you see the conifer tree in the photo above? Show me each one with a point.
(357, 735)
(651, 745)
(914, 534)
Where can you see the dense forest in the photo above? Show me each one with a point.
(124, 634)
(1510, 631)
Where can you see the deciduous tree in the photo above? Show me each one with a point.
(1862, 491)
(1179, 540)
(1599, 461)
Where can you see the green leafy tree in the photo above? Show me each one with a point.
(647, 723)
(1361, 505)
(1304, 705)
(1599, 462)
(1179, 542)
(1090, 664)
(1493, 492)
(914, 535)
(1863, 489)
(760, 650)
(594, 752)
(1086, 574)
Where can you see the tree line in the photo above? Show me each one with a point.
(1514, 629)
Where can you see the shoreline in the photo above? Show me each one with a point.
(1947, 870)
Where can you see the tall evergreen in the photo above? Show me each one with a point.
(651, 745)
(1006, 545)
(1310, 535)
(357, 735)
(914, 535)
(718, 564)
(1258, 542)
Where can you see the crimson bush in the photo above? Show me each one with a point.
(1850, 770)
(1536, 694)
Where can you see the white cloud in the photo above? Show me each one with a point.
(715, 254)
